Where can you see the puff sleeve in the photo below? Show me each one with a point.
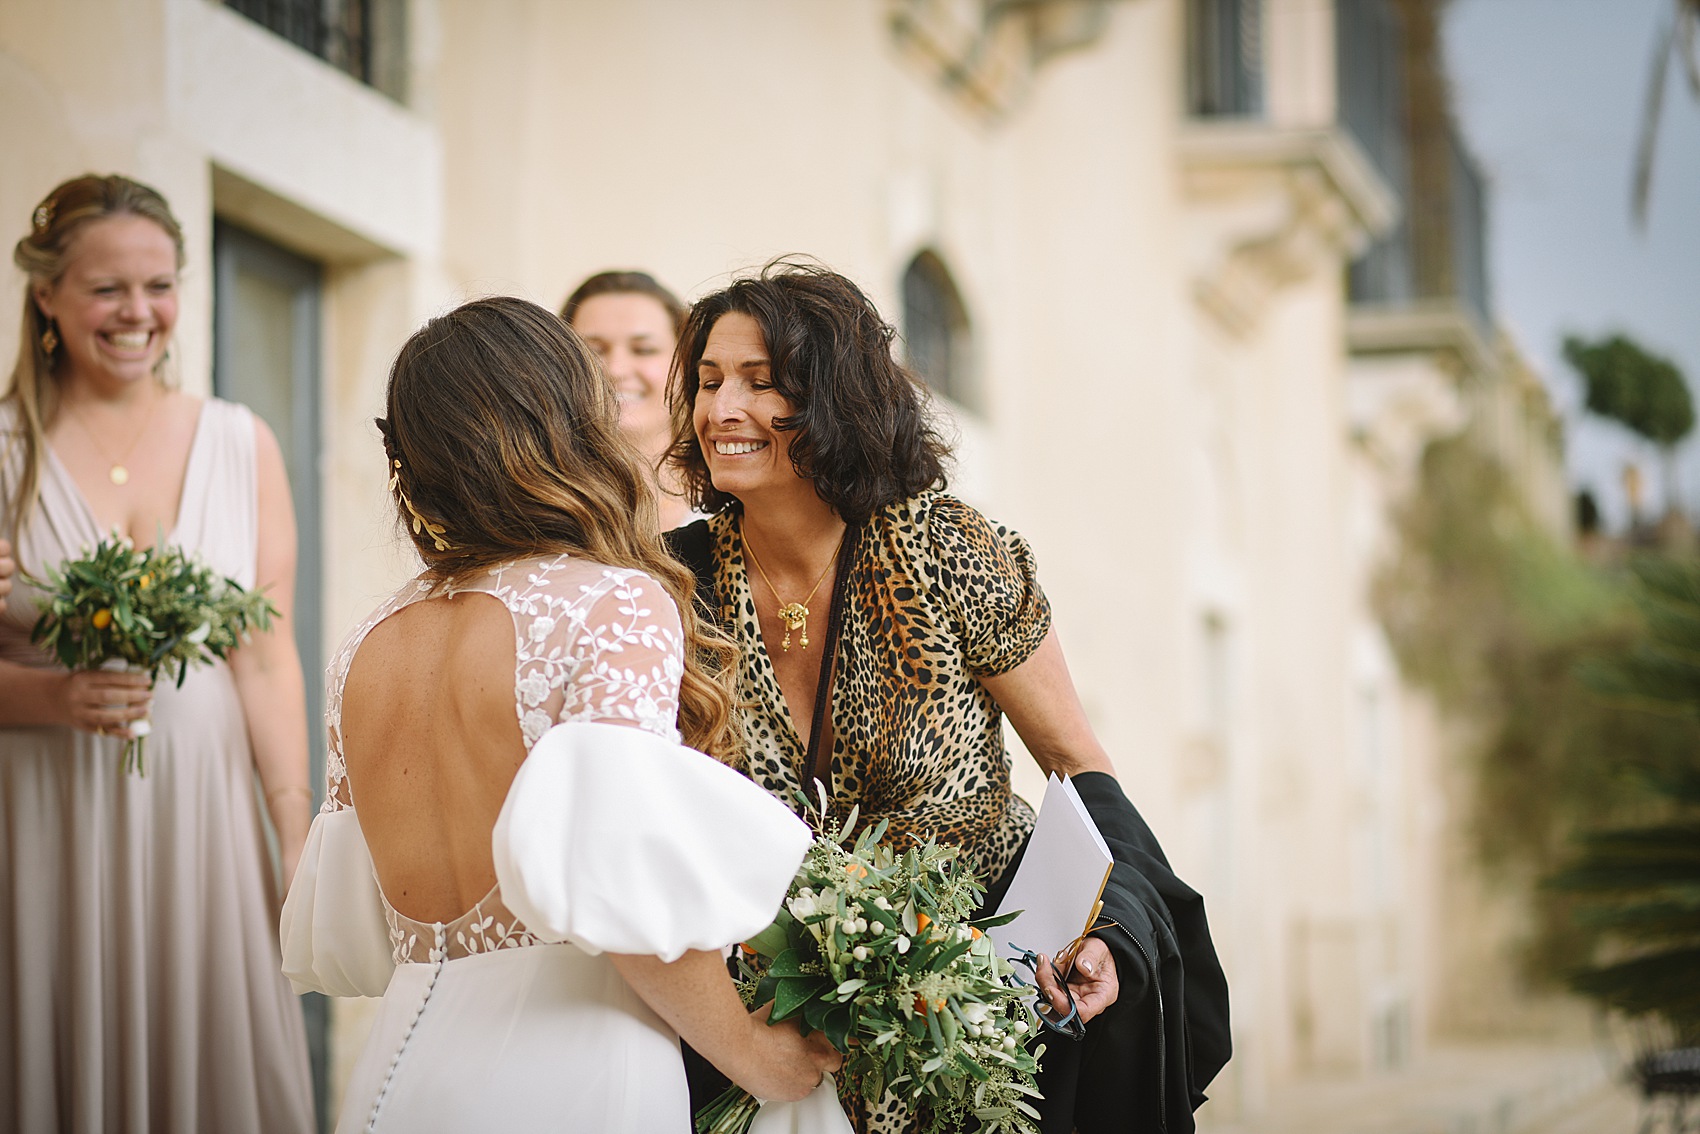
(334, 936)
(614, 835)
(985, 578)
(621, 841)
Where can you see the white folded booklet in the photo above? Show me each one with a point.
(1060, 880)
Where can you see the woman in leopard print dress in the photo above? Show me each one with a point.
(810, 447)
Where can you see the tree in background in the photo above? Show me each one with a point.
(1640, 882)
(1641, 390)
(1496, 618)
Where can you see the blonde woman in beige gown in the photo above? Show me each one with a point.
(139, 969)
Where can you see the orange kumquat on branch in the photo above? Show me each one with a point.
(143, 610)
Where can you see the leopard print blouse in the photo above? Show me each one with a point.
(937, 597)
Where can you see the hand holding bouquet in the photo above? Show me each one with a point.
(874, 949)
(146, 609)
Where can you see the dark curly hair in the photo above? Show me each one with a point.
(862, 432)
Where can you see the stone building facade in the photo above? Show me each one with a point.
(1119, 235)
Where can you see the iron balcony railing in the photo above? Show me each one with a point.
(1369, 65)
(1224, 58)
(337, 31)
(1469, 234)
(1437, 249)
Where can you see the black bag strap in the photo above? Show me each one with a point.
(693, 545)
(819, 762)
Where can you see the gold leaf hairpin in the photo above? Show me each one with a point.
(435, 531)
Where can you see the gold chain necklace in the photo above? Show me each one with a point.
(795, 615)
(118, 473)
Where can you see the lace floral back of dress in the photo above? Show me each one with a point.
(591, 643)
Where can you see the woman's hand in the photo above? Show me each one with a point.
(698, 999)
(8, 568)
(105, 702)
(1091, 978)
(787, 1065)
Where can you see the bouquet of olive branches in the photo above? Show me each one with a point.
(146, 609)
(873, 948)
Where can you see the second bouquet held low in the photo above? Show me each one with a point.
(143, 610)
(874, 948)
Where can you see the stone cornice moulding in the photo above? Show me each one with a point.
(1511, 405)
(1442, 333)
(1271, 206)
(1439, 327)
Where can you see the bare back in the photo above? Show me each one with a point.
(431, 743)
(436, 699)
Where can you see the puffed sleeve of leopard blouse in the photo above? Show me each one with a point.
(616, 837)
(986, 579)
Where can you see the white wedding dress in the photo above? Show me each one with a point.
(613, 838)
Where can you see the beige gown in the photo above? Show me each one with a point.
(139, 969)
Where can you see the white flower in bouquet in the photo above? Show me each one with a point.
(874, 948)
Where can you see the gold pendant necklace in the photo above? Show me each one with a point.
(118, 472)
(795, 615)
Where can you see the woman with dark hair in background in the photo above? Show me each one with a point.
(517, 851)
(632, 323)
(885, 629)
(139, 984)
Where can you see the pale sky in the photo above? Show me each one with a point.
(1550, 94)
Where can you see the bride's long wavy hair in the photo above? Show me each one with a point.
(508, 438)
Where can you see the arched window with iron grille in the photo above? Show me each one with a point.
(936, 329)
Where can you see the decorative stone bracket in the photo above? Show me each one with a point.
(986, 52)
(1270, 206)
(1424, 370)
(1397, 404)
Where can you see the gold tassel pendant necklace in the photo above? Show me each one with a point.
(795, 615)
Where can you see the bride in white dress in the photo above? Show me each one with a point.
(517, 852)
